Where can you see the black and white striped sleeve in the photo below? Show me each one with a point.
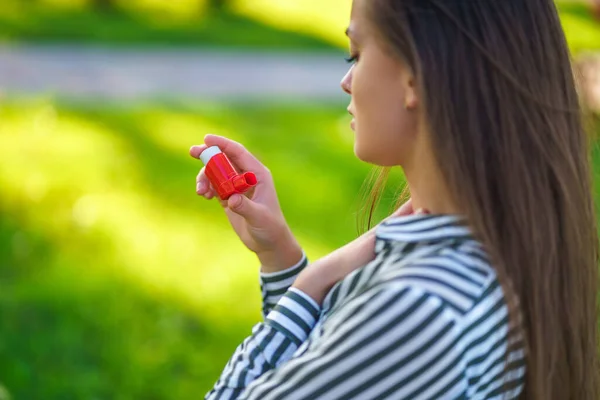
(271, 344)
(274, 285)
(390, 342)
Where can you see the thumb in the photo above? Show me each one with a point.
(245, 208)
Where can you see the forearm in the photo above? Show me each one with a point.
(271, 343)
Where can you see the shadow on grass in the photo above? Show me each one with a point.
(70, 330)
(31, 22)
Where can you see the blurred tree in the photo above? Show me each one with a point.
(596, 8)
(103, 5)
(217, 4)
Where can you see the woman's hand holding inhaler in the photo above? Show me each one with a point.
(257, 218)
(255, 215)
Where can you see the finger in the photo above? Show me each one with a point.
(237, 153)
(203, 185)
(195, 151)
(201, 175)
(405, 209)
(202, 189)
(211, 190)
(209, 195)
(246, 208)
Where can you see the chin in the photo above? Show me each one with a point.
(362, 154)
(373, 156)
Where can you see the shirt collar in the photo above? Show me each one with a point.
(419, 229)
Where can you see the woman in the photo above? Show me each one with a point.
(489, 291)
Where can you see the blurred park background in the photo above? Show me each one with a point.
(116, 280)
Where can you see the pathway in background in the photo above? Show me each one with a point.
(125, 74)
(84, 72)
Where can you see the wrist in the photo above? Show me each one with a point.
(282, 257)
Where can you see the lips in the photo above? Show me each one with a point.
(353, 123)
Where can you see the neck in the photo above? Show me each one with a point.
(427, 187)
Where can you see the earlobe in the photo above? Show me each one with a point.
(411, 102)
(410, 97)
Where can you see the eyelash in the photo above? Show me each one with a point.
(352, 59)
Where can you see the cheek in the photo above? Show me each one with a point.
(384, 129)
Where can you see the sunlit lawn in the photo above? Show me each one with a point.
(116, 280)
(266, 24)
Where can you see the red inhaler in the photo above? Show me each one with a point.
(223, 177)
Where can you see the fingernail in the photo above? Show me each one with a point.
(200, 187)
(236, 201)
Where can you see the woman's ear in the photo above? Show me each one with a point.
(410, 92)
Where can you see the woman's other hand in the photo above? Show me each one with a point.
(319, 277)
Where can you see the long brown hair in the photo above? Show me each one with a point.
(498, 95)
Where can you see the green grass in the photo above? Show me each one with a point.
(116, 280)
(264, 24)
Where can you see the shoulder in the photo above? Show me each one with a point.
(460, 275)
(453, 289)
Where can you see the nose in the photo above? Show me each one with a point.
(347, 81)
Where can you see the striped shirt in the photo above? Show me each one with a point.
(427, 319)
